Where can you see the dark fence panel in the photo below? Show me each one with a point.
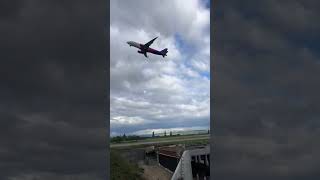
(168, 162)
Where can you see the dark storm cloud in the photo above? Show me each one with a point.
(266, 100)
(52, 89)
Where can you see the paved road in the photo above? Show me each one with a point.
(160, 141)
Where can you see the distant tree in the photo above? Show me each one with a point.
(116, 139)
(153, 134)
(165, 133)
(124, 136)
(170, 133)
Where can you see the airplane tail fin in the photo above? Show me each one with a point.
(164, 52)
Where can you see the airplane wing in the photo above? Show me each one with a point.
(149, 43)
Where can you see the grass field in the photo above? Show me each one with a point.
(121, 169)
(165, 138)
(187, 140)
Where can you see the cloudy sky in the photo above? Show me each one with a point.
(159, 93)
(266, 90)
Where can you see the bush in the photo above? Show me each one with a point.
(121, 169)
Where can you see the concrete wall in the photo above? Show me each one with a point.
(184, 168)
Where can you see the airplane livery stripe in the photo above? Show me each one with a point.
(152, 50)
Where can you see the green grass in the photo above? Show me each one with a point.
(189, 142)
(121, 169)
(164, 138)
(196, 142)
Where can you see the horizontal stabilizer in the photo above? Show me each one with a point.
(164, 52)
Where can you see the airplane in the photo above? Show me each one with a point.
(144, 48)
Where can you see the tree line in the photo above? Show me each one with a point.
(124, 137)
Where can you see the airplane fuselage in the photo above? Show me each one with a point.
(141, 47)
(145, 48)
